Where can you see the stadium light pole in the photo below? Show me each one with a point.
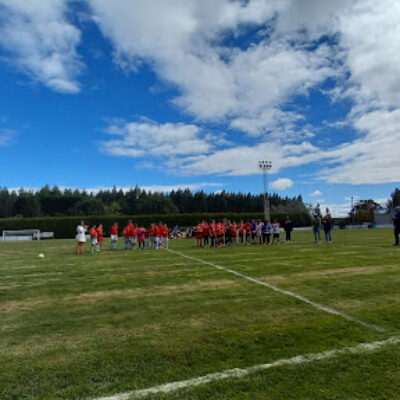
(265, 166)
(352, 210)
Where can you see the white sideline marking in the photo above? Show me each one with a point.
(243, 372)
(287, 292)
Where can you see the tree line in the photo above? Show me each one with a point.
(54, 202)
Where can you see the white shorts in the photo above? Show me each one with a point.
(114, 237)
(94, 241)
(133, 239)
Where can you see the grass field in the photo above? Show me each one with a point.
(96, 325)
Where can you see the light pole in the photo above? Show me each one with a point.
(265, 166)
(352, 210)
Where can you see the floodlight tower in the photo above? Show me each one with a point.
(265, 166)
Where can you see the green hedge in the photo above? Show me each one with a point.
(64, 227)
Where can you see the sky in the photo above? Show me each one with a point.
(187, 93)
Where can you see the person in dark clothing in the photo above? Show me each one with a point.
(396, 223)
(288, 227)
(327, 226)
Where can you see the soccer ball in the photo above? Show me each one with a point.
(41, 255)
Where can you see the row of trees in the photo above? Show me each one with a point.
(364, 210)
(51, 201)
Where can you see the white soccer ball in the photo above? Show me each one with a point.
(41, 255)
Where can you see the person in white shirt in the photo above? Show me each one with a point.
(80, 237)
(276, 228)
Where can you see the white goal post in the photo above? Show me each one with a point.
(20, 235)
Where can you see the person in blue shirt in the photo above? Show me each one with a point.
(266, 232)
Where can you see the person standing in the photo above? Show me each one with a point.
(93, 239)
(80, 237)
(396, 223)
(276, 228)
(114, 236)
(288, 227)
(100, 238)
(316, 223)
(327, 226)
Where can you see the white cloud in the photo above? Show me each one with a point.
(6, 137)
(282, 184)
(41, 42)
(373, 158)
(147, 138)
(183, 42)
(316, 193)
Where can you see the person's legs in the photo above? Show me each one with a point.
(396, 236)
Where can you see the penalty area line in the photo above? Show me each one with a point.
(286, 292)
(363, 348)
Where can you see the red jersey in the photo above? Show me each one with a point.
(158, 231)
(199, 231)
(149, 232)
(114, 230)
(240, 228)
(206, 229)
(126, 232)
(213, 230)
(134, 231)
(248, 228)
(165, 231)
(93, 233)
(130, 229)
(99, 234)
(220, 228)
(232, 230)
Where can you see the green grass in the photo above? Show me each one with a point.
(81, 327)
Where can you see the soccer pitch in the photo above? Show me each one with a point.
(299, 321)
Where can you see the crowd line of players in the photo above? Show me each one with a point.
(135, 237)
(212, 234)
(227, 233)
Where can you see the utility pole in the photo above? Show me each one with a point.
(265, 166)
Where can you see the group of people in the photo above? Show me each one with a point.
(227, 233)
(319, 223)
(135, 237)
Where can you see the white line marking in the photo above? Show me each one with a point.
(287, 292)
(243, 372)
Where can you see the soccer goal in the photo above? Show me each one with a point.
(24, 234)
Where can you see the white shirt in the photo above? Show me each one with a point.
(80, 234)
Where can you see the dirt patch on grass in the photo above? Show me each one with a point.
(20, 305)
(326, 273)
(93, 297)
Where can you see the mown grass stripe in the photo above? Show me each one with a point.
(235, 373)
(286, 292)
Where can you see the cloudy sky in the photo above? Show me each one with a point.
(189, 93)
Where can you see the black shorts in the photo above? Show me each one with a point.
(276, 235)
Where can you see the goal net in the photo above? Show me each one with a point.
(25, 234)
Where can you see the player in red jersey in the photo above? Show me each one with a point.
(248, 228)
(158, 233)
(220, 228)
(164, 236)
(93, 239)
(133, 236)
(126, 234)
(114, 235)
(233, 233)
(206, 233)
(240, 229)
(213, 233)
(199, 234)
(100, 237)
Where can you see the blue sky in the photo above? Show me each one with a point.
(192, 94)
